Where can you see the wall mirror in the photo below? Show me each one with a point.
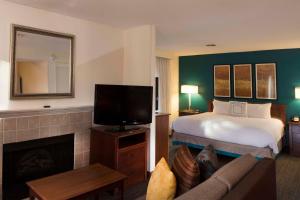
(42, 64)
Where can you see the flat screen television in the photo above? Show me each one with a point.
(123, 105)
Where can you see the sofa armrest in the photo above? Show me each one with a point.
(259, 183)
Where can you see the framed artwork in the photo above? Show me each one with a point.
(266, 81)
(242, 76)
(222, 80)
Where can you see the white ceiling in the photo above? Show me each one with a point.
(185, 26)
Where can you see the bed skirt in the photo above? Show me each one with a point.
(223, 148)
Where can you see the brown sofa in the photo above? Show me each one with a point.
(242, 179)
(259, 183)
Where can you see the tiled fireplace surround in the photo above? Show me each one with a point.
(29, 125)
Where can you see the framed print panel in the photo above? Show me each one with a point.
(222, 80)
(242, 76)
(266, 81)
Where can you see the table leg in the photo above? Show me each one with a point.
(122, 190)
(31, 196)
(97, 196)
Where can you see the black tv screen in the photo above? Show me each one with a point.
(123, 105)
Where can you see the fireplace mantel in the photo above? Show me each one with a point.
(43, 111)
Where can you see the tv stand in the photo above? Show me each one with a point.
(124, 151)
(121, 128)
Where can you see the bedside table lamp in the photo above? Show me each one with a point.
(297, 92)
(297, 96)
(189, 89)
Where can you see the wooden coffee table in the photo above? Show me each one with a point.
(77, 184)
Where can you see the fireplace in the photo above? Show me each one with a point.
(29, 160)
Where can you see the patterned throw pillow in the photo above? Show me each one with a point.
(208, 162)
(238, 109)
(186, 170)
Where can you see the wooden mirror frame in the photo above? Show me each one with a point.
(13, 94)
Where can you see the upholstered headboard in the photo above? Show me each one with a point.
(277, 110)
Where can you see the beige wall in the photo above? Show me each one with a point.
(98, 54)
(139, 69)
(138, 55)
(34, 76)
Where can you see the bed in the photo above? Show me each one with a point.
(233, 136)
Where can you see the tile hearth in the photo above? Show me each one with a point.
(36, 125)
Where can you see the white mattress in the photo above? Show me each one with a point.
(240, 130)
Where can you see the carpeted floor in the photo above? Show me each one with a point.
(287, 175)
(131, 193)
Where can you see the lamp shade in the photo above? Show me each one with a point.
(297, 92)
(189, 89)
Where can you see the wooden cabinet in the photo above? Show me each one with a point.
(294, 138)
(188, 112)
(125, 151)
(162, 136)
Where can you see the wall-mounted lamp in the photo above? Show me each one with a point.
(189, 89)
(297, 92)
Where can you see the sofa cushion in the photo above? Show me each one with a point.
(162, 184)
(234, 171)
(186, 170)
(208, 162)
(211, 189)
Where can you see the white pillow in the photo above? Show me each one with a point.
(221, 107)
(259, 110)
(238, 108)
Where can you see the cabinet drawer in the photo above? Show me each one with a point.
(132, 162)
(296, 149)
(295, 129)
(296, 138)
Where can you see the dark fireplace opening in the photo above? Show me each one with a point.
(29, 160)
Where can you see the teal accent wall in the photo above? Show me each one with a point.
(198, 70)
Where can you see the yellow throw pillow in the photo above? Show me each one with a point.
(162, 184)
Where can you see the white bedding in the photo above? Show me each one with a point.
(240, 130)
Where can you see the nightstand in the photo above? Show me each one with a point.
(294, 138)
(189, 112)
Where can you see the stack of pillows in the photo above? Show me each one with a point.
(242, 109)
(186, 173)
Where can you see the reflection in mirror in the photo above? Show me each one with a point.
(42, 63)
